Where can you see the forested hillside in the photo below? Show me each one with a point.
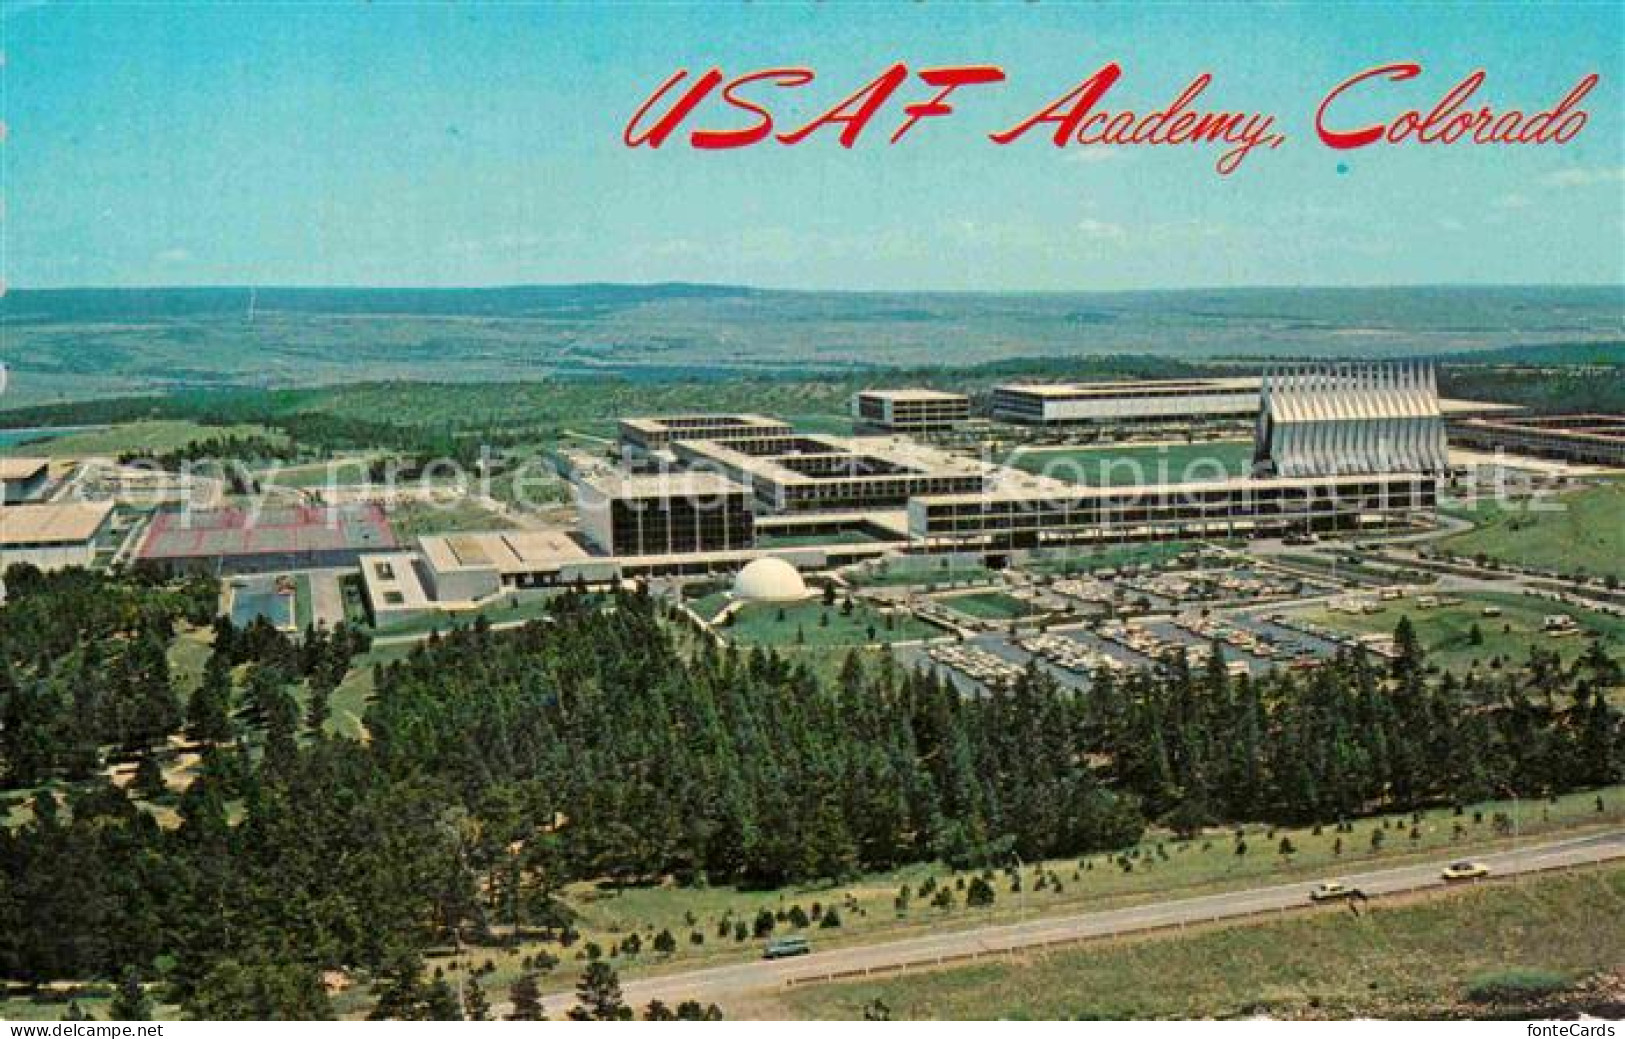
(605, 743)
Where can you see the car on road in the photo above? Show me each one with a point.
(1333, 891)
(779, 948)
(1465, 870)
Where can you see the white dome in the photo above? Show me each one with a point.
(769, 580)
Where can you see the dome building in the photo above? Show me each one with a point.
(769, 580)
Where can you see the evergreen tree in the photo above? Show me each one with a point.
(599, 995)
(130, 1001)
(475, 1006)
(526, 996)
(234, 991)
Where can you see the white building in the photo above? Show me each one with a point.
(1350, 418)
(1126, 402)
(908, 411)
(52, 537)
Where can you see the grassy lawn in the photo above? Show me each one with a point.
(1415, 959)
(187, 655)
(1588, 535)
(907, 572)
(156, 436)
(1139, 464)
(804, 623)
(336, 472)
(708, 606)
(415, 518)
(1445, 631)
(507, 609)
(990, 606)
(1107, 557)
(867, 904)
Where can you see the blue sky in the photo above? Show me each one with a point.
(463, 144)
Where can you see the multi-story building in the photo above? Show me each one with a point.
(1584, 439)
(663, 513)
(910, 411)
(1338, 446)
(804, 472)
(1032, 516)
(651, 433)
(1127, 402)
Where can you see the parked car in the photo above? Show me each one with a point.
(1465, 870)
(1333, 891)
(779, 948)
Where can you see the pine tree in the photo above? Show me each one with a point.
(403, 995)
(526, 996)
(130, 1002)
(475, 1006)
(149, 778)
(208, 712)
(599, 995)
(440, 1002)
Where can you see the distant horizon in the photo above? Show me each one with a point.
(758, 287)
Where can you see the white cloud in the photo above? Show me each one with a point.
(174, 255)
(1582, 177)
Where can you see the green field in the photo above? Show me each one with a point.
(1108, 557)
(1446, 631)
(907, 572)
(606, 914)
(811, 623)
(1140, 464)
(337, 472)
(1416, 959)
(1587, 536)
(504, 611)
(411, 519)
(988, 606)
(156, 436)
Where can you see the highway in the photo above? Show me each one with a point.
(718, 984)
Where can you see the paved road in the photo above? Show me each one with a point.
(717, 984)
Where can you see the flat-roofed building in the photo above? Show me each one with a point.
(804, 472)
(651, 433)
(472, 566)
(395, 586)
(1583, 439)
(238, 541)
(1126, 402)
(1034, 514)
(53, 536)
(910, 410)
(666, 513)
(23, 479)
